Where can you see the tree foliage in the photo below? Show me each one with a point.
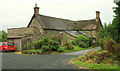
(116, 23)
(3, 36)
(112, 30)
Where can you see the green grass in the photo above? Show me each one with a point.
(93, 66)
(77, 48)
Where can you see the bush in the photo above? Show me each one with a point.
(57, 38)
(81, 41)
(112, 47)
(61, 49)
(29, 45)
(45, 48)
(54, 45)
(46, 44)
(35, 44)
(98, 57)
(69, 46)
(103, 41)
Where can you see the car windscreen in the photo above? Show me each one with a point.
(10, 44)
(2, 44)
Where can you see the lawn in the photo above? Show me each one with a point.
(77, 48)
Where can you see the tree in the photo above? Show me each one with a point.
(106, 31)
(3, 36)
(116, 23)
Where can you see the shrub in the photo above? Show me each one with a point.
(74, 42)
(98, 57)
(112, 47)
(103, 41)
(61, 49)
(54, 45)
(46, 44)
(37, 44)
(69, 46)
(81, 41)
(45, 48)
(57, 38)
(29, 45)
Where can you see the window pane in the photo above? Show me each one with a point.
(3, 43)
(10, 44)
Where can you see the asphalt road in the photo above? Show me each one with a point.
(58, 61)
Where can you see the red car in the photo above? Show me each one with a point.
(7, 46)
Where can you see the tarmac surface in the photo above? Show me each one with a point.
(58, 61)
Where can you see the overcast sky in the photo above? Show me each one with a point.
(17, 13)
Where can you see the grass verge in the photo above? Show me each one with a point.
(93, 66)
(76, 48)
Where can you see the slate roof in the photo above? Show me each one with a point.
(73, 33)
(10, 37)
(53, 23)
(86, 24)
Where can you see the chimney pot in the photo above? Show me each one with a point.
(97, 14)
(36, 9)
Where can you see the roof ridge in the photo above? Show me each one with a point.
(66, 19)
(85, 20)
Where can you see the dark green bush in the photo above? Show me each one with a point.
(45, 48)
(46, 44)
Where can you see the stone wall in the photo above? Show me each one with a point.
(92, 33)
(26, 41)
(35, 24)
(63, 36)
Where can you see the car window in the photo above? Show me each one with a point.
(10, 44)
(3, 43)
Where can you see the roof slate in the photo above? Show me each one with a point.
(53, 23)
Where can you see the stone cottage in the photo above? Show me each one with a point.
(41, 25)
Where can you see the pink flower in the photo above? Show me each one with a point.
(81, 41)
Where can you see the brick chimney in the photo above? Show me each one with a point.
(97, 14)
(36, 9)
